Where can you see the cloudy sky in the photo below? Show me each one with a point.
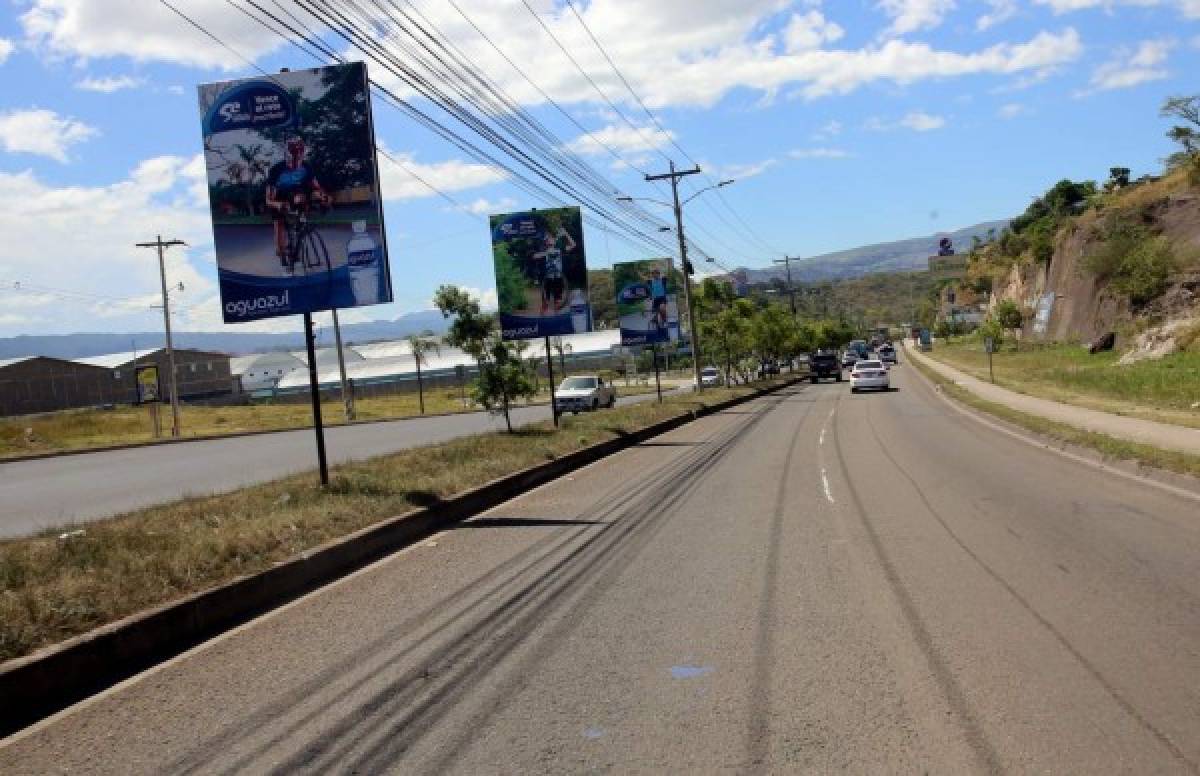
(843, 123)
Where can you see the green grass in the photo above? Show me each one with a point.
(52, 588)
(1162, 390)
(1110, 447)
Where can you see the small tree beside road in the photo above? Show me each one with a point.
(421, 347)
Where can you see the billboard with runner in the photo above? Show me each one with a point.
(541, 273)
(294, 191)
(646, 303)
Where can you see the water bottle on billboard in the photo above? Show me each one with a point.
(579, 311)
(365, 270)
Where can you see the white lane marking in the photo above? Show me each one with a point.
(822, 440)
(825, 482)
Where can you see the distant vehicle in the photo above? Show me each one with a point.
(860, 347)
(824, 364)
(710, 377)
(887, 354)
(869, 373)
(584, 392)
(925, 340)
(849, 358)
(768, 368)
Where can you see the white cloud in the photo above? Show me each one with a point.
(1131, 68)
(830, 129)
(1002, 11)
(741, 172)
(81, 239)
(42, 132)
(175, 89)
(1011, 110)
(109, 84)
(486, 296)
(912, 15)
(486, 207)
(621, 138)
(6, 49)
(448, 176)
(918, 121)
(1189, 8)
(810, 30)
(144, 31)
(818, 153)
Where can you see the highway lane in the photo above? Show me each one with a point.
(812, 582)
(54, 492)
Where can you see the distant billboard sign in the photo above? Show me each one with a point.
(541, 273)
(1041, 316)
(149, 388)
(948, 267)
(646, 301)
(294, 192)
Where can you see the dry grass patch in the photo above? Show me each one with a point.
(53, 588)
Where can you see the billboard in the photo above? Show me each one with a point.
(1041, 317)
(541, 273)
(646, 302)
(294, 192)
(146, 380)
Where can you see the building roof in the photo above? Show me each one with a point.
(328, 356)
(240, 365)
(114, 360)
(10, 361)
(387, 349)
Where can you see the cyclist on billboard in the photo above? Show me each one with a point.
(554, 282)
(658, 298)
(291, 183)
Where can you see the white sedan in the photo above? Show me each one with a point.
(869, 374)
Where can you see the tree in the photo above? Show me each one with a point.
(1118, 178)
(562, 348)
(503, 374)
(1008, 316)
(1187, 135)
(420, 347)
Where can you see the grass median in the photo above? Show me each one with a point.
(1110, 447)
(52, 588)
(91, 428)
(1163, 390)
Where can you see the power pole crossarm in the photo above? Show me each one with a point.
(161, 245)
(786, 261)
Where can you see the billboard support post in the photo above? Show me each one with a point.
(347, 396)
(550, 377)
(310, 337)
(657, 381)
(173, 386)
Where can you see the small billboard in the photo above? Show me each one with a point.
(646, 301)
(541, 273)
(294, 192)
(149, 389)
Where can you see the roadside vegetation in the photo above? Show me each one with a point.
(1165, 390)
(64, 583)
(1108, 446)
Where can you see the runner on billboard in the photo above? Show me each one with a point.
(291, 183)
(554, 283)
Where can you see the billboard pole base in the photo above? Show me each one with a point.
(657, 381)
(550, 377)
(310, 344)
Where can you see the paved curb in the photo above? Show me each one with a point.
(47, 681)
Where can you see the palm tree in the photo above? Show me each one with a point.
(562, 348)
(420, 347)
(255, 167)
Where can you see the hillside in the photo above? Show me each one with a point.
(895, 256)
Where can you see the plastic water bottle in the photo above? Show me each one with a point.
(363, 259)
(579, 311)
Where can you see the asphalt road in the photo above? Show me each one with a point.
(812, 582)
(57, 492)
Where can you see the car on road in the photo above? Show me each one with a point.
(849, 357)
(767, 369)
(824, 363)
(710, 377)
(584, 392)
(887, 354)
(869, 373)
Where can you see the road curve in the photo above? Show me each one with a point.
(54, 492)
(811, 582)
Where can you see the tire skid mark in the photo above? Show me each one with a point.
(364, 659)
(759, 729)
(397, 716)
(981, 747)
(1025, 604)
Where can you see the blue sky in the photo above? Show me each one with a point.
(843, 123)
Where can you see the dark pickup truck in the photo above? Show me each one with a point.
(824, 364)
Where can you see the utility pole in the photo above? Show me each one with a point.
(347, 397)
(161, 245)
(786, 261)
(674, 177)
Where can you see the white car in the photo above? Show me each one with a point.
(869, 374)
(710, 377)
(584, 392)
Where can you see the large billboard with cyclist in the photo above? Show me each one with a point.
(294, 190)
(541, 273)
(646, 303)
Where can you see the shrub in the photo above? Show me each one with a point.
(1135, 262)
